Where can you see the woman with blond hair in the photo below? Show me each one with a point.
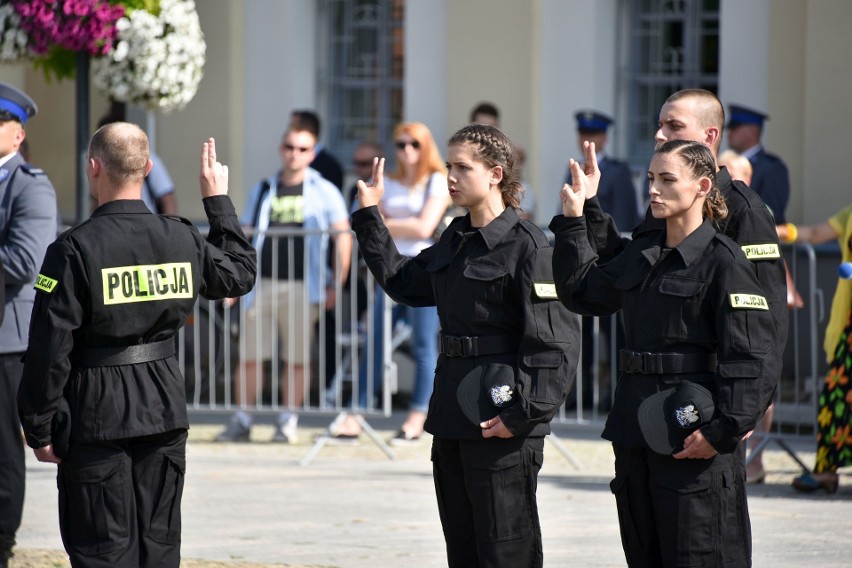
(416, 198)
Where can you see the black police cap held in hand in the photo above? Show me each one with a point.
(669, 416)
(15, 104)
(485, 390)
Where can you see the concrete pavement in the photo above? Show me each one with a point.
(351, 507)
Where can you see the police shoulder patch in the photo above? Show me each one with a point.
(545, 290)
(748, 302)
(761, 252)
(32, 170)
(45, 284)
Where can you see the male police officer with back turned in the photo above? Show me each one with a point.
(112, 294)
(27, 226)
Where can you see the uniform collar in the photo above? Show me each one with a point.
(493, 232)
(121, 206)
(692, 247)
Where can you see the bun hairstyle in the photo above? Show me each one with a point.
(700, 161)
(493, 148)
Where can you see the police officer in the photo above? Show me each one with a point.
(694, 314)
(770, 179)
(698, 115)
(617, 196)
(102, 394)
(491, 280)
(27, 226)
(616, 192)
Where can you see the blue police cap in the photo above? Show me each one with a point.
(738, 115)
(15, 104)
(592, 121)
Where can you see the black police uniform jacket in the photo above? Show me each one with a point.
(751, 225)
(493, 282)
(702, 298)
(124, 277)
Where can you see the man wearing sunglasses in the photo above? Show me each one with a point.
(292, 213)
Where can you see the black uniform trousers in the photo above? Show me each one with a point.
(688, 512)
(12, 471)
(119, 501)
(486, 500)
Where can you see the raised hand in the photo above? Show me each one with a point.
(214, 176)
(369, 195)
(590, 168)
(574, 196)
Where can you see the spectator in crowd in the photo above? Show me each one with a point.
(770, 179)
(485, 113)
(285, 307)
(415, 198)
(324, 161)
(28, 217)
(834, 419)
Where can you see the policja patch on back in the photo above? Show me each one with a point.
(147, 282)
(748, 302)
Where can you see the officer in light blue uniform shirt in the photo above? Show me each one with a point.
(27, 226)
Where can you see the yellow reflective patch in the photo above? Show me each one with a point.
(749, 302)
(45, 284)
(759, 252)
(545, 290)
(147, 282)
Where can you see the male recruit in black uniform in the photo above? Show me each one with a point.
(27, 226)
(102, 394)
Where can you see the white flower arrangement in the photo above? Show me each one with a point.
(14, 41)
(157, 60)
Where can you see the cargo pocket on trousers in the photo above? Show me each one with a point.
(630, 540)
(165, 518)
(696, 510)
(503, 493)
(93, 514)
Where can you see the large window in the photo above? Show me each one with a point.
(674, 45)
(363, 82)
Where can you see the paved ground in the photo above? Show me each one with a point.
(351, 507)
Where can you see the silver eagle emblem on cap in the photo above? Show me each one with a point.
(686, 415)
(500, 395)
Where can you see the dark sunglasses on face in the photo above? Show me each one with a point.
(301, 149)
(362, 163)
(401, 144)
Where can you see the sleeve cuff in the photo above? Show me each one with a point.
(365, 217)
(218, 206)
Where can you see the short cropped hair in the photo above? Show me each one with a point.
(123, 150)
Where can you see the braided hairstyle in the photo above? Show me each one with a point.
(700, 161)
(493, 148)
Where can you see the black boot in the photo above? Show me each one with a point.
(6, 544)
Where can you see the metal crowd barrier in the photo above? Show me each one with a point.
(213, 352)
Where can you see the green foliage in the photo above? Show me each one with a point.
(58, 64)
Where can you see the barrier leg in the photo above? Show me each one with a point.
(566, 453)
(324, 438)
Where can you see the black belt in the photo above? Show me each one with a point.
(130, 355)
(665, 363)
(453, 346)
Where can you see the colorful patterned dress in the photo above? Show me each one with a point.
(834, 434)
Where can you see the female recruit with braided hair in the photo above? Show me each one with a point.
(698, 333)
(508, 349)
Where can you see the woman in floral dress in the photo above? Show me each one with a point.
(834, 433)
